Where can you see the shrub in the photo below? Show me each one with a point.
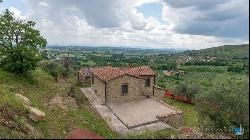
(53, 68)
(184, 89)
(224, 108)
(20, 60)
(235, 69)
(20, 42)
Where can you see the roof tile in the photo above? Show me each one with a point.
(108, 73)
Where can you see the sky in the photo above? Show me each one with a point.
(189, 24)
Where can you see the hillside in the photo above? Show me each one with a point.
(63, 113)
(224, 52)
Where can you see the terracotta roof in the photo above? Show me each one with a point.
(108, 73)
(138, 71)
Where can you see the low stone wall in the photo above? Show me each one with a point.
(174, 120)
(159, 92)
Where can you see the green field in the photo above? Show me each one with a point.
(205, 80)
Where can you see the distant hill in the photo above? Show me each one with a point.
(117, 49)
(222, 52)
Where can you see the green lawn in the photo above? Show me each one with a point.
(189, 113)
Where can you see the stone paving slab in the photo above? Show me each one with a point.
(139, 112)
(113, 121)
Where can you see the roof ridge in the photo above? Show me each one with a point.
(107, 73)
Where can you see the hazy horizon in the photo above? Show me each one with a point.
(135, 47)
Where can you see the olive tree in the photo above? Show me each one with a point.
(187, 90)
(224, 108)
(19, 44)
(53, 68)
(66, 62)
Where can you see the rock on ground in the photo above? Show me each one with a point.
(36, 115)
(24, 99)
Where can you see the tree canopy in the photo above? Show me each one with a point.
(19, 32)
(225, 107)
(19, 43)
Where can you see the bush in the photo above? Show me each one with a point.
(186, 90)
(20, 42)
(53, 68)
(20, 60)
(235, 69)
(224, 108)
(206, 63)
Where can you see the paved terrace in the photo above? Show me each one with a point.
(133, 117)
(140, 112)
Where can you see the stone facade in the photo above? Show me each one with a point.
(159, 92)
(114, 89)
(98, 87)
(147, 90)
(175, 120)
(136, 88)
(108, 82)
(84, 79)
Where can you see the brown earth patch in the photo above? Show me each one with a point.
(9, 116)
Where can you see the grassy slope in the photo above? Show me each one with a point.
(58, 122)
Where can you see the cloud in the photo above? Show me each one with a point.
(192, 25)
(17, 13)
(222, 18)
(199, 4)
(99, 13)
(43, 3)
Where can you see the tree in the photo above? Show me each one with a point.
(19, 43)
(224, 108)
(53, 68)
(66, 61)
(189, 91)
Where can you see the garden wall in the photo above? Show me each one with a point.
(174, 120)
(159, 92)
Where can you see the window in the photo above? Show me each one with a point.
(124, 89)
(147, 82)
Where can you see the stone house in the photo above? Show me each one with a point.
(84, 76)
(119, 84)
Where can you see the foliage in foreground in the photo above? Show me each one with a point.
(187, 90)
(19, 44)
(224, 108)
(53, 68)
